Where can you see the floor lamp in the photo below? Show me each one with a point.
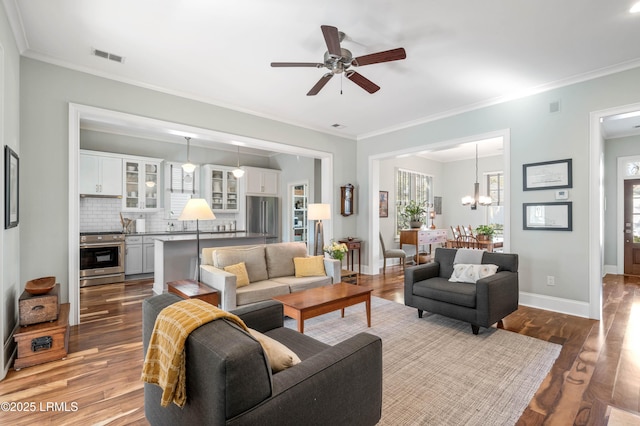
(197, 209)
(319, 212)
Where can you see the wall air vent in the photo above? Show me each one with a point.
(338, 126)
(107, 55)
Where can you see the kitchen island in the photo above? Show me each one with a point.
(175, 254)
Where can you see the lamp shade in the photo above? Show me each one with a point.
(197, 209)
(319, 211)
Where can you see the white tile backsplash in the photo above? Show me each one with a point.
(103, 214)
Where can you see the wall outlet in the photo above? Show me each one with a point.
(551, 280)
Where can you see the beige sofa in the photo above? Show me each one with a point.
(270, 268)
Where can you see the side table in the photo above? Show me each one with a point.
(353, 244)
(192, 289)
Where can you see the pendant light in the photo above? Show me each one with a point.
(476, 199)
(238, 172)
(188, 167)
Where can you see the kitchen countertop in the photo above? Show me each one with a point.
(184, 236)
(134, 234)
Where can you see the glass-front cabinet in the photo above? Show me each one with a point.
(299, 204)
(141, 185)
(221, 188)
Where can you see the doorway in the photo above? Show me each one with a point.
(632, 227)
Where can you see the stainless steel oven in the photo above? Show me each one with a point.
(101, 258)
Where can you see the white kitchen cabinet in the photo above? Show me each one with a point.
(141, 185)
(100, 175)
(221, 188)
(261, 181)
(148, 246)
(133, 255)
(139, 255)
(299, 199)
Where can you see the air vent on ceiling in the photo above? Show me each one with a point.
(107, 55)
(554, 107)
(338, 126)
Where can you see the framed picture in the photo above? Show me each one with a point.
(11, 201)
(383, 208)
(554, 216)
(547, 175)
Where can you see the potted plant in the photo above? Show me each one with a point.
(485, 232)
(414, 213)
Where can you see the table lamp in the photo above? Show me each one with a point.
(318, 212)
(197, 209)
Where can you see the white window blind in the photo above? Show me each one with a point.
(411, 186)
(181, 187)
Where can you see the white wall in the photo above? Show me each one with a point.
(458, 178)
(10, 278)
(536, 135)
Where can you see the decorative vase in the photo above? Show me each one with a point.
(415, 224)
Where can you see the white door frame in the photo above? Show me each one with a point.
(374, 187)
(596, 204)
(77, 112)
(620, 208)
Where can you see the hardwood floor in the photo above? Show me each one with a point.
(99, 381)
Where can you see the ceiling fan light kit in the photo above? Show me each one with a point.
(338, 60)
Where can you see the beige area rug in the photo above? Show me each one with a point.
(436, 372)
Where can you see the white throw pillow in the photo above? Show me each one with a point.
(464, 273)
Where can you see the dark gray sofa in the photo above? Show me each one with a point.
(228, 381)
(489, 300)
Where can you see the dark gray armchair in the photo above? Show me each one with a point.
(229, 383)
(489, 300)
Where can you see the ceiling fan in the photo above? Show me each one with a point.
(338, 60)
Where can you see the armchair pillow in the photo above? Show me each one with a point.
(465, 273)
(240, 271)
(312, 266)
(280, 357)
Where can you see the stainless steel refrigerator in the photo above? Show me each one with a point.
(263, 216)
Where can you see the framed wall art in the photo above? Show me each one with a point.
(383, 208)
(11, 186)
(547, 175)
(553, 216)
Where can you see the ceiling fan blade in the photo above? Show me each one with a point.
(332, 38)
(320, 84)
(376, 58)
(296, 64)
(363, 82)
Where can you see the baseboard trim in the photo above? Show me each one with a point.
(610, 269)
(556, 304)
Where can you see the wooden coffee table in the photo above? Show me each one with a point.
(306, 304)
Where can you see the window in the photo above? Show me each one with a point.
(181, 187)
(411, 186)
(495, 190)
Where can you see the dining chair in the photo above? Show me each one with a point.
(391, 254)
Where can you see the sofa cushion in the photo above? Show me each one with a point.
(240, 271)
(461, 294)
(252, 257)
(280, 357)
(312, 266)
(299, 284)
(464, 273)
(280, 258)
(259, 291)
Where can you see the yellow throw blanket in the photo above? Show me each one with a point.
(164, 364)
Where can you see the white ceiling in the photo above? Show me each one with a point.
(461, 54)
